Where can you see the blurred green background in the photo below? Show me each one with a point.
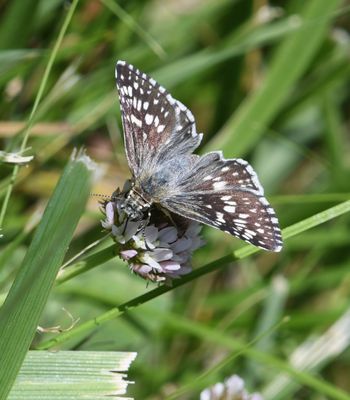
(267, 81)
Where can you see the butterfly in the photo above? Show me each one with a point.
(160, 137)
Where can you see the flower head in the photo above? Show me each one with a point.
(231, 389)
(159, 249)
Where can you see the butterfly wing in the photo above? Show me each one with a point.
(154, 123)
(226, 194)
(160, 136)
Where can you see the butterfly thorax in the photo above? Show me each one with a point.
(134, 205)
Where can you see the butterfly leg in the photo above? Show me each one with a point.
(177, 224)
(126, 224)
(142, 228)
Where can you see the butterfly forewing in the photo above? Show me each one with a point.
(160, 136)
(154, 123)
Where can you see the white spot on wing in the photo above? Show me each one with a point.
(219, 185)
(244, 216)
(230, 209)
(160, 128)
(220, 217)
(241, 222)
(148, 119)
(136, 121)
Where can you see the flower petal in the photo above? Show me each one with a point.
(117, 232)
(162, 254)
(109, 210)
(141, 269)
(127, 254)
(151, 234)
(234, 384)
(168, 234)
(147, 259)
(193, 229)
(170, 265)
(181, 245)
(185, 269)
(180, 258)
(139, 242)
(131, 229)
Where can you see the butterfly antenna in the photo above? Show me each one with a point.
(103, 196)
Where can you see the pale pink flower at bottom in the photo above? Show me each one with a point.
(232, 389)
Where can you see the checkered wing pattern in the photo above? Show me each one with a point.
(155, 125)
(227, 195)
(160, 137)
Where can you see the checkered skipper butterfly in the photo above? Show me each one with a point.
(160, 137)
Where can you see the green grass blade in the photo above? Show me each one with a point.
(24, 304)
(132, 24)
(65, 375)
(292, 58)
(310, 198)
(317, 219)
(89, 262)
